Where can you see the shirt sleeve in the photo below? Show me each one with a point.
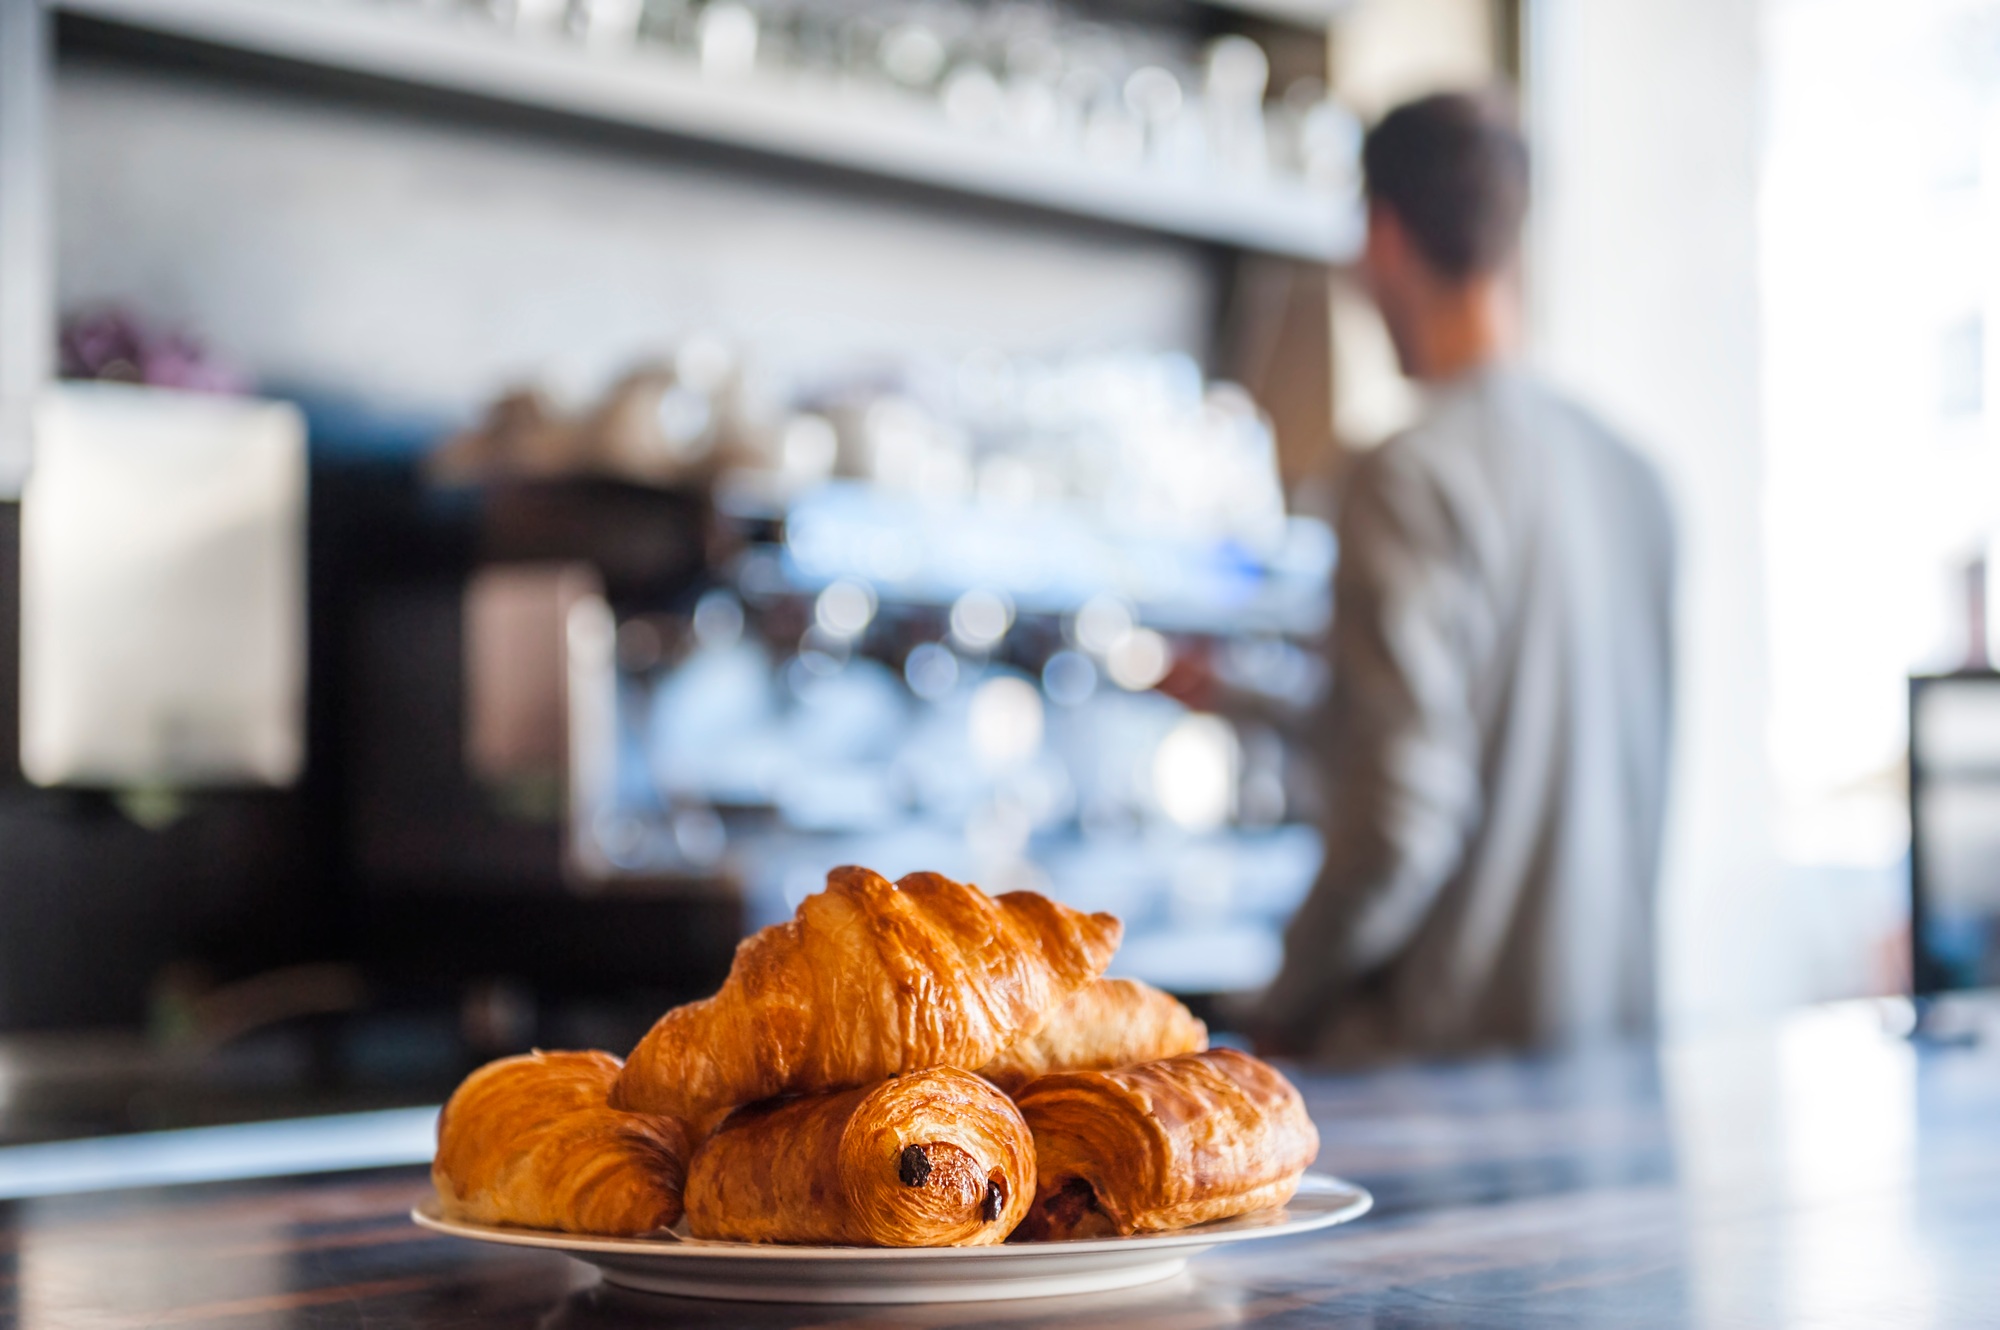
(1398, 740)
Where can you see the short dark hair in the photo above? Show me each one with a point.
(1453, 168)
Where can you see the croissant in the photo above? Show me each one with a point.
(1109, 1023)
(871, 979)
(1163, 1145)
(530, 1141)
(937, 1158)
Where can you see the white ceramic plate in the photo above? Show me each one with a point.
(750, 1272)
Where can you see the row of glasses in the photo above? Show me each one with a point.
(1047, 76)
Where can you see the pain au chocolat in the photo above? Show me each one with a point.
(937, 1158)
(1108, 1023)
(1163, 1145)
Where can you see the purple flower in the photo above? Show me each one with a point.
(113, 345)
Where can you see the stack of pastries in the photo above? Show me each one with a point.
(906, 1064)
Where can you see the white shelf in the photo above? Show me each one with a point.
(1299, 13)
(333, 1144)
(826, 125)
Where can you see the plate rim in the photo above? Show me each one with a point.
(1359, 1201)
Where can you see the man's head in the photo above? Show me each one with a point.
(1447, 184)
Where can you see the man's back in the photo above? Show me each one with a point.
(1496, 738)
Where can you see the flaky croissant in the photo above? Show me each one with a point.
(1108, 1023)
(937, 1158)
(871, 979)
(530, 1141)
(1163, 1145)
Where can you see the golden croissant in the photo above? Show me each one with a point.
(871, 979)
(1163, 1145)
(531, 1141)
(937, 1158)
(1109, 1023)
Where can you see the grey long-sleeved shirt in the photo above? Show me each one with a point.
(1495, 739)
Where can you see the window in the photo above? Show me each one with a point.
(1880, 264)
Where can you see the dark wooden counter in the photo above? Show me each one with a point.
(1822, 1173)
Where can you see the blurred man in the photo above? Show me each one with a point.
(1496, 736)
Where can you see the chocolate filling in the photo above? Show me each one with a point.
(1067, 1207)
(914, 1166)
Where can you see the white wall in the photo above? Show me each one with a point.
(1381, 53)
(1644, 273)
(425, 264)
(1387, 51)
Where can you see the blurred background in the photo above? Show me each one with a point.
(528, 485)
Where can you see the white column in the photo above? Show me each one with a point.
(27, 318)
(1644, 118)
